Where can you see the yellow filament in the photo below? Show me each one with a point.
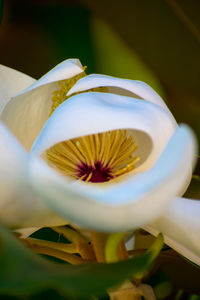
(128, 168)
(113, 150)
(68, 248)
(70, 234)
(89, 177)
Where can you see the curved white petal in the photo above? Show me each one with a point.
(19, 205)
(118, 85)
(11, 83)
(127, 205)
(90, 113)
(26, 113)
(180, 224)
(64, 70)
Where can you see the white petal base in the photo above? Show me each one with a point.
(11, 83)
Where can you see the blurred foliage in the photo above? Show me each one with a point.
(171, 272)
(23, 273)
(180, 272)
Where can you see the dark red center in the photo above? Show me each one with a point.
(99, 172)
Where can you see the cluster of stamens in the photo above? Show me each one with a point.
(95, 158)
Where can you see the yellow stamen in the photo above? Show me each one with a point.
(83, 177)
(55, 250)
(68, 248)
(96, 158)
(60, 95)
(70, 234)
(99, 241)
(81, 244)
(89, 177)
(128, 168)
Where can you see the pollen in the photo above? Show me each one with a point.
(95, 158)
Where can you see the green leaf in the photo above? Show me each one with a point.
(23, 273)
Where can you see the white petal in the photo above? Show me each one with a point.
(27, 112)
(66, 69)
(118, 86)
(130, 203)
(19, 205)
(180, 224)
(90, 113)
(11, 83)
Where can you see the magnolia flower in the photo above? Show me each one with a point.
(100, 152)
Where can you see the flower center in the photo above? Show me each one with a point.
(95, 158)
(96, 173)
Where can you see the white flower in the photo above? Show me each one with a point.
(123, 191)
